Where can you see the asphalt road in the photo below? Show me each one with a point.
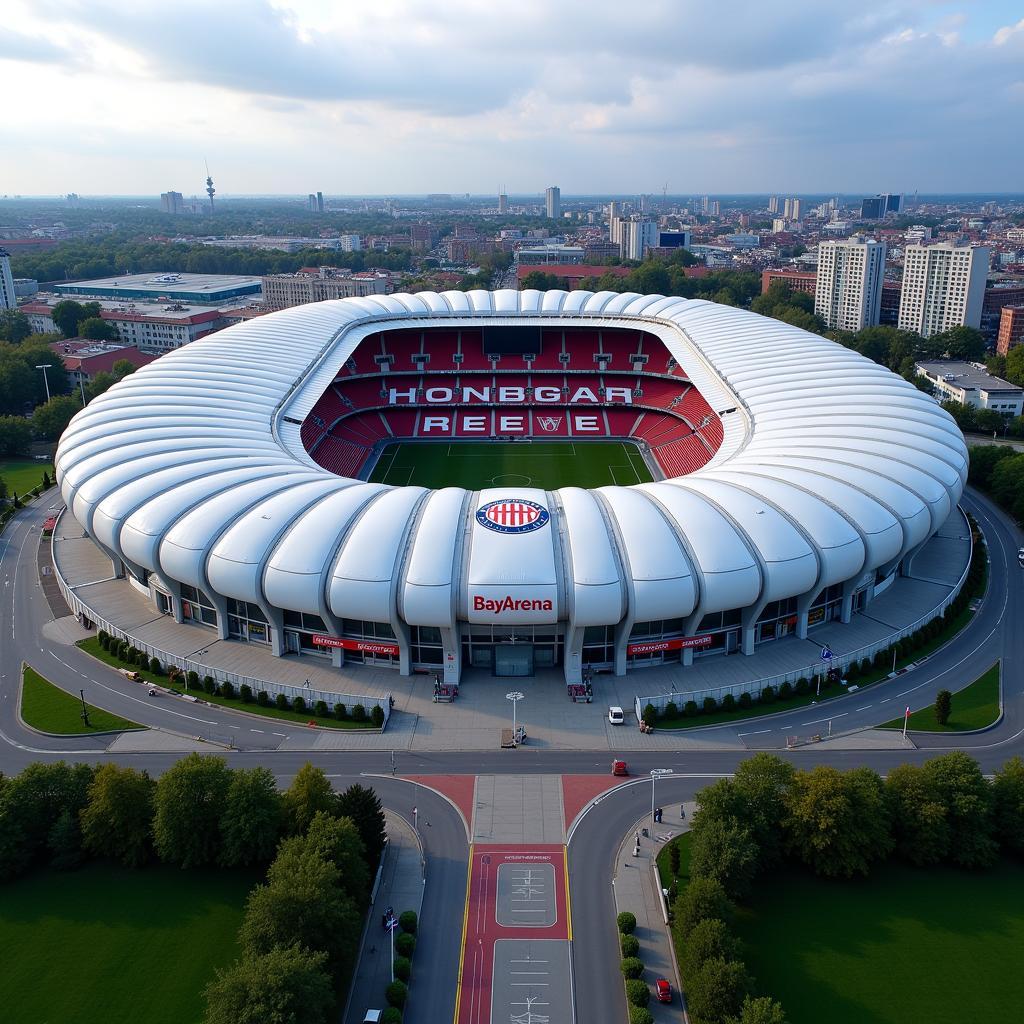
(995, 633)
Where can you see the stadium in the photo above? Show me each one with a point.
(511, 481)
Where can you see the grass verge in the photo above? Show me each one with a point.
(91, 645)
(105, 945)
(907, 944)
(48, 708)
(669, 878)
(22, 475)
(974, 707)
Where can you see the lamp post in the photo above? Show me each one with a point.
(46, 381)
(655, 772)
(515, 696)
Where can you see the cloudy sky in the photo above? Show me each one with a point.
(286, 96)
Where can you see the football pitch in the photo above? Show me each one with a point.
(546, 464)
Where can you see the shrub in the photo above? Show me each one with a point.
(650, 714)
(155, 667)
(671, 709)
(802, 685)
(865, 666)
(282, 702)
(245, 692)
(881, 658)
(359, 713)
(396, 993)
(405, 944)
(637, 992)
(626, 922)
(746, 700)
(104, 642)
(943, 706)
(263, 699)
(209, 684)
(785, 691)
(631, 967)
(192, 679)
(227, 690)
(710, 705)
(768, 695)
(701, 899)
(690, 709)
(403, 968)
(340, 712)
(391, 1015)
(299, 705)
(407, 922)
(629, 944)
(728, 702)
(640, 1015)
(102, 635)
(320, 709)
(377, 716)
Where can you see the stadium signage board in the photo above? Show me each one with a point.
(675, 644)
(496, 606)
(366, 646)
(508, 395)
(512, 515)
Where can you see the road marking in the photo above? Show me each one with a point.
(866, 706)
(256, 730)
(818, 721)
(757, 733)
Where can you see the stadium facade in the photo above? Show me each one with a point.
(798, 480)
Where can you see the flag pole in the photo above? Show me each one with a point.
(906, 718)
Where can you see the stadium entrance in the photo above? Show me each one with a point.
(512, 651)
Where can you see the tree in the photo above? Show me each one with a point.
(121, 368)
(14, 326)
(943, 706)
(338, 841)
(65, 842)
(117, 821)
(67, 315)
(702, 899)
(286, 985)
(759, 1011)
(253, 818)
(761, 783)
(724, 848)
(362, 805)
(1008, 805)
(717, 989)
(95, 328)
(918, 814)
(707, 940)
(50, 420)
(190, 801)
(966, 343)
(302, 902)
(15, 435)
(309, 793)
(837, 822)
(100, 383)
(968, 799)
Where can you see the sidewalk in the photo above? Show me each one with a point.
(401, 887)
(636, 891)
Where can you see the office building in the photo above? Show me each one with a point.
(319, 202)
(8, 296)
(674, 239)
(502, 203)
(172, 202)
(1011, 329)
(553, 202)
(281, 291)
(536, 255)
(876, 207)
(971, 384)
(943, 287)
(848, 290)
(311, 202)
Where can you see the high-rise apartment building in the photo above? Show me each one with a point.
(848, 290)
(8, 298)
(796, 209)
(172, 202)
(773, 204)
(943, 287)
(553, 202)
(502, 203)
(1011, 329)
(787, 210)
(638, 234)
(311, 202)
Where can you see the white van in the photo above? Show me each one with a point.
(615, 716)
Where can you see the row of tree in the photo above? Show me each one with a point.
(999, 471)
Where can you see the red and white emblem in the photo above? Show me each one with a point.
(512, 515)
(549, 423)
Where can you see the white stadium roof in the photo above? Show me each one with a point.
(831, 467)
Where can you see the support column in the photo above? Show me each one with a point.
(452, 655)
(687, 656)
(573, 655)
(337, 657)
(220, 603)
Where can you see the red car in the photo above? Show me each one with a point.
(619, 768)
(664, 991)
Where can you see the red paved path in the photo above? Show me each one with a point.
(459, 789)
(579, 790)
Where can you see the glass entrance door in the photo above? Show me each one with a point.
(513, 659)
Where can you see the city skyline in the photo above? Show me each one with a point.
(795, 98)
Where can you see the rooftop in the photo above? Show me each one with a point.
(969, 376)
(195, 287)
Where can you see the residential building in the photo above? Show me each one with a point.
(638, 234)
(1003, 291)
(971, 384)
(797, 209)
(311, 202)
(84, 359)
(943, 287)
(172, 202)
(773, 204)
(8, 296)
(848, 291)
(421, 237)
(778, 224)
(502, 203)
(889, 314)
(553, 202)
(280, 291)
(596, 251)
(350, 243)
(797, 280)
(1011, 329)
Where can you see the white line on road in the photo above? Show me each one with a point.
(866, 706)
(818, 721)
(758, 733)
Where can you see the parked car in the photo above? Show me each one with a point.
(372, 1016)
(619, 768)
(615, 715)
(663, 990)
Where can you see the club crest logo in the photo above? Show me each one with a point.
(512, 515)
(549, 423)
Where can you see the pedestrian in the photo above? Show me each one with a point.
(682, 811)
(307, 684)
(638, 839)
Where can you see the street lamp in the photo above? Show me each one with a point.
(44, 367)
(655, 772)
(515, 696)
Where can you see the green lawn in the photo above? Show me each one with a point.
(50, 709)
(668, 879)
(22, 475)
(907, 945)
(104, 945)
(545, 464)
(974, 707)
(91, 645)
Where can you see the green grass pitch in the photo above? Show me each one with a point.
(104, 945)
(545, 464)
